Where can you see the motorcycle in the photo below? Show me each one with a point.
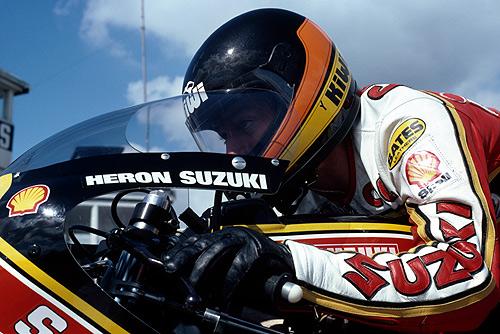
(87, 214)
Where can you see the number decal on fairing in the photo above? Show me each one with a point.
(43, 320)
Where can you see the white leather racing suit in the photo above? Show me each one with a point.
(433, 155)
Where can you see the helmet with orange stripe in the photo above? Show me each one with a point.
(270, 83)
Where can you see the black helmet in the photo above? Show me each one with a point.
(275, 65)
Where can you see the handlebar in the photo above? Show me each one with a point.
(292, 292)
(282, 288)
(219, 322)
(277, 286)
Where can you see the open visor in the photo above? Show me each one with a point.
(239, 121)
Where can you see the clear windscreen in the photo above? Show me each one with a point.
(236, 121)
(169, 125)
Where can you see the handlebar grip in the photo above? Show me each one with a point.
(281, 287)
(291, 292)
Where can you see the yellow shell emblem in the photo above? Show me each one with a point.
(28, 200)
(422, 168)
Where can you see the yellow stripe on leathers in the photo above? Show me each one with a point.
(489, 243)
(396, 311)
(51, 284)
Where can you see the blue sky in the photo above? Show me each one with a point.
(82, 58)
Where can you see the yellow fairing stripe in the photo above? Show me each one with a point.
(333, 226)
(40, 276)
(317, 120)
(396, 312)
(489, 243)
(5, 183)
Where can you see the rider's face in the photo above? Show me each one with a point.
(243, 131)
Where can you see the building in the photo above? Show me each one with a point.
(10, 86)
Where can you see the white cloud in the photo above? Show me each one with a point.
(101, 16)
(428, 44)
(448, 45)
(168, 131)
(157, 88)
(182, 23)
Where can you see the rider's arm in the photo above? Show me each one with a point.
(431, 159)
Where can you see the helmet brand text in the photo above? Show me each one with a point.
(193, 96)
(339, 83)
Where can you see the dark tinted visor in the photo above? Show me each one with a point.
(238, 121)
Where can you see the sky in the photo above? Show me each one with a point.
(82, 58)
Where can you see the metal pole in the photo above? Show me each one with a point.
(144, 71)
(143, 54)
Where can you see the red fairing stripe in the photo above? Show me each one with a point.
(26, 311)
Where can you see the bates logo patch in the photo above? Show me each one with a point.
(405, 135)
(28, 200)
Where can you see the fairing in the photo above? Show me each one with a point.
(40, 193)
(43, 192)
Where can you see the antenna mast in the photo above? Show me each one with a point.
(143, 54)
(144, 71)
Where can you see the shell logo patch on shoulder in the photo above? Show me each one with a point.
(425, 173)
(28, 200)
(422, 168)
(403, 138)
